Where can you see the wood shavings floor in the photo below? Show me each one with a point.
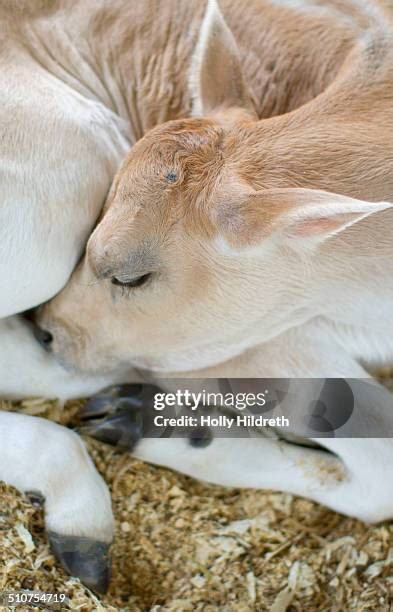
(184, 546)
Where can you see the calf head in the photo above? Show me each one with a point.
(190, 264)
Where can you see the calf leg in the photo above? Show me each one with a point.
(364, 486)
(355, 480)
(256, 462)
(38, 455)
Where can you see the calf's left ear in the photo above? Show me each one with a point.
(300, 218)
(216, 77)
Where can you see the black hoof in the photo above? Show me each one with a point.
(123, 429)
(83, 558)
(119, 415)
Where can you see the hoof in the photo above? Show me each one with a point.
(83, 558)
(118, 416)
(122, 429)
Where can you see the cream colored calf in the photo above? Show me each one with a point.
(79, 83)
(222, 254)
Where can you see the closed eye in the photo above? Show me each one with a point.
(133, 283)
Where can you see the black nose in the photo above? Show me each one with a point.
(44, 337)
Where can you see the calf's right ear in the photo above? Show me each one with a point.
(216, 76)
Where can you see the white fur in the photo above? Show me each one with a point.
(211, 16)
(28, 371)
(38, 455)
(213, 24)
(60, 148)
(364, 491)
(60, 153)
(356, 481)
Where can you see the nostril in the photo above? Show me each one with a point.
(44, 337)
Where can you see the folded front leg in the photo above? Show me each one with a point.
(256, 462)
(42, 457)
(355, 478)
(364, 444)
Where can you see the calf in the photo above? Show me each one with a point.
(80, 83)
(235, 246)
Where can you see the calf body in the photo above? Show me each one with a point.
(79, 85)
(238, 246)
(81, 82)
(284, 208)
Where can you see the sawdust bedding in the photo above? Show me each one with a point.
(183, 546)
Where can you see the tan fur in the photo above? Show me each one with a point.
(233, 191)
(253, 268)
(150, 58)
(248, 276)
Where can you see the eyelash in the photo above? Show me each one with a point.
(136, 283)
(125, 291)
(127, 287)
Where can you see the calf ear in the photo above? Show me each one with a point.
(300, 218)
(216, 77)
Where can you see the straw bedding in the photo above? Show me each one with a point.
(182, 545)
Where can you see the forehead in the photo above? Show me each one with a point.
(171, 173)
(184, 148)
